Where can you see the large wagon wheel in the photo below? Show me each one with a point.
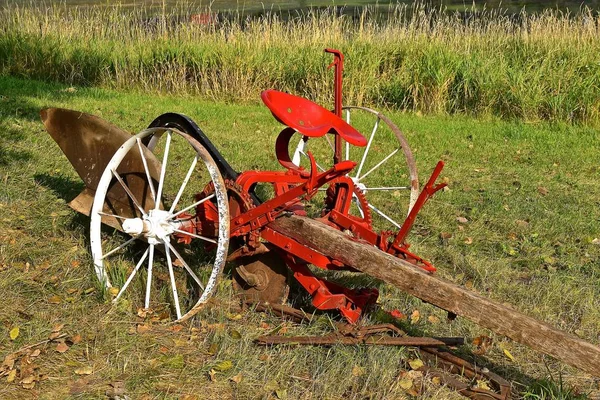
(386, 172)
(158, 204)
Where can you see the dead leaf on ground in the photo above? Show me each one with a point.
(116, 390)
(542, 190)
(223, 366)
(62, 347)
(433, 319)
(357, 371)
(57, 327)
(87, 370)
(176, 328)
(596, 241)
(482, 344)
(54, 299)
(415, 316)
(462, 220)
(142, 328)
(445, 235)
(76, 339)
(236, 378)
(508, 355)
(415, 364)
(469, 240)
(54, 335)
(212, 374)
(14, 333)
(522, 223)
(11, 376)
(35, 353)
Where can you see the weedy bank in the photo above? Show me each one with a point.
(518, 225)
(528, 66)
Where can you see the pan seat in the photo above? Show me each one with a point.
(308, 118)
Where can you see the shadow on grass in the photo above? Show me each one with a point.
(64, 187)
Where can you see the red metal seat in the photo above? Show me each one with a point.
(309, 118)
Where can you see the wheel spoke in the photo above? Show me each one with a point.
(149, 277)
(372, 207)
(355, 198)
(111, 215)
(299, 149)
(318, 166)
(128, 191)
(184, 184)
(192, 206)
(118, 248)
(330, 144)
(173, 283)
(130, 278)
(196, 236)
(378, 164)
(145, 162)
(185, 265)
(388, 188)
(163, 170)
(366, 153)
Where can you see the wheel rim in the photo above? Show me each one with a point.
(184, 276)
(385, 173)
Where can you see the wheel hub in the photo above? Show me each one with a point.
(155, 226)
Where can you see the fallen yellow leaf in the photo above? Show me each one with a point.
(415, 364)
(84, 370)
(11, 376)
(357, 371)
(507, 354)
(406, 384)
(54, 299)
(14, 333)
(223, 366)
(415, 316)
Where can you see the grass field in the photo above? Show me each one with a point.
(531, 67)
(529, 193)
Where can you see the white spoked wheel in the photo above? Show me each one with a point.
(385, 174)
(161, 263)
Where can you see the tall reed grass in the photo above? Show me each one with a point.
(530, 66)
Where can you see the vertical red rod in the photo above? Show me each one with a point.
(338, 63)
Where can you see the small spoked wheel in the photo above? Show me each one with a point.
(385, 177)
(147, 242)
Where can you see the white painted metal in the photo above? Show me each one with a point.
(157, 226)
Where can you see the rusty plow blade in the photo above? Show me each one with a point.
(89, 143)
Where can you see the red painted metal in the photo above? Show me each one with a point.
(308, 118)
(295, 184)
(338, 64)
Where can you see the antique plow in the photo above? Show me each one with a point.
(183, 212)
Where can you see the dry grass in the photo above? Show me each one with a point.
(529, 249)
(530, 66)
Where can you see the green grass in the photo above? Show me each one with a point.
(529, 192)
(531, 67)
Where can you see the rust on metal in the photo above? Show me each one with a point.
(449, 365)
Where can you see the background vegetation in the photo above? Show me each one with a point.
(530, 66)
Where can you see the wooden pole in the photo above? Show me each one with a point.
(444, 294)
